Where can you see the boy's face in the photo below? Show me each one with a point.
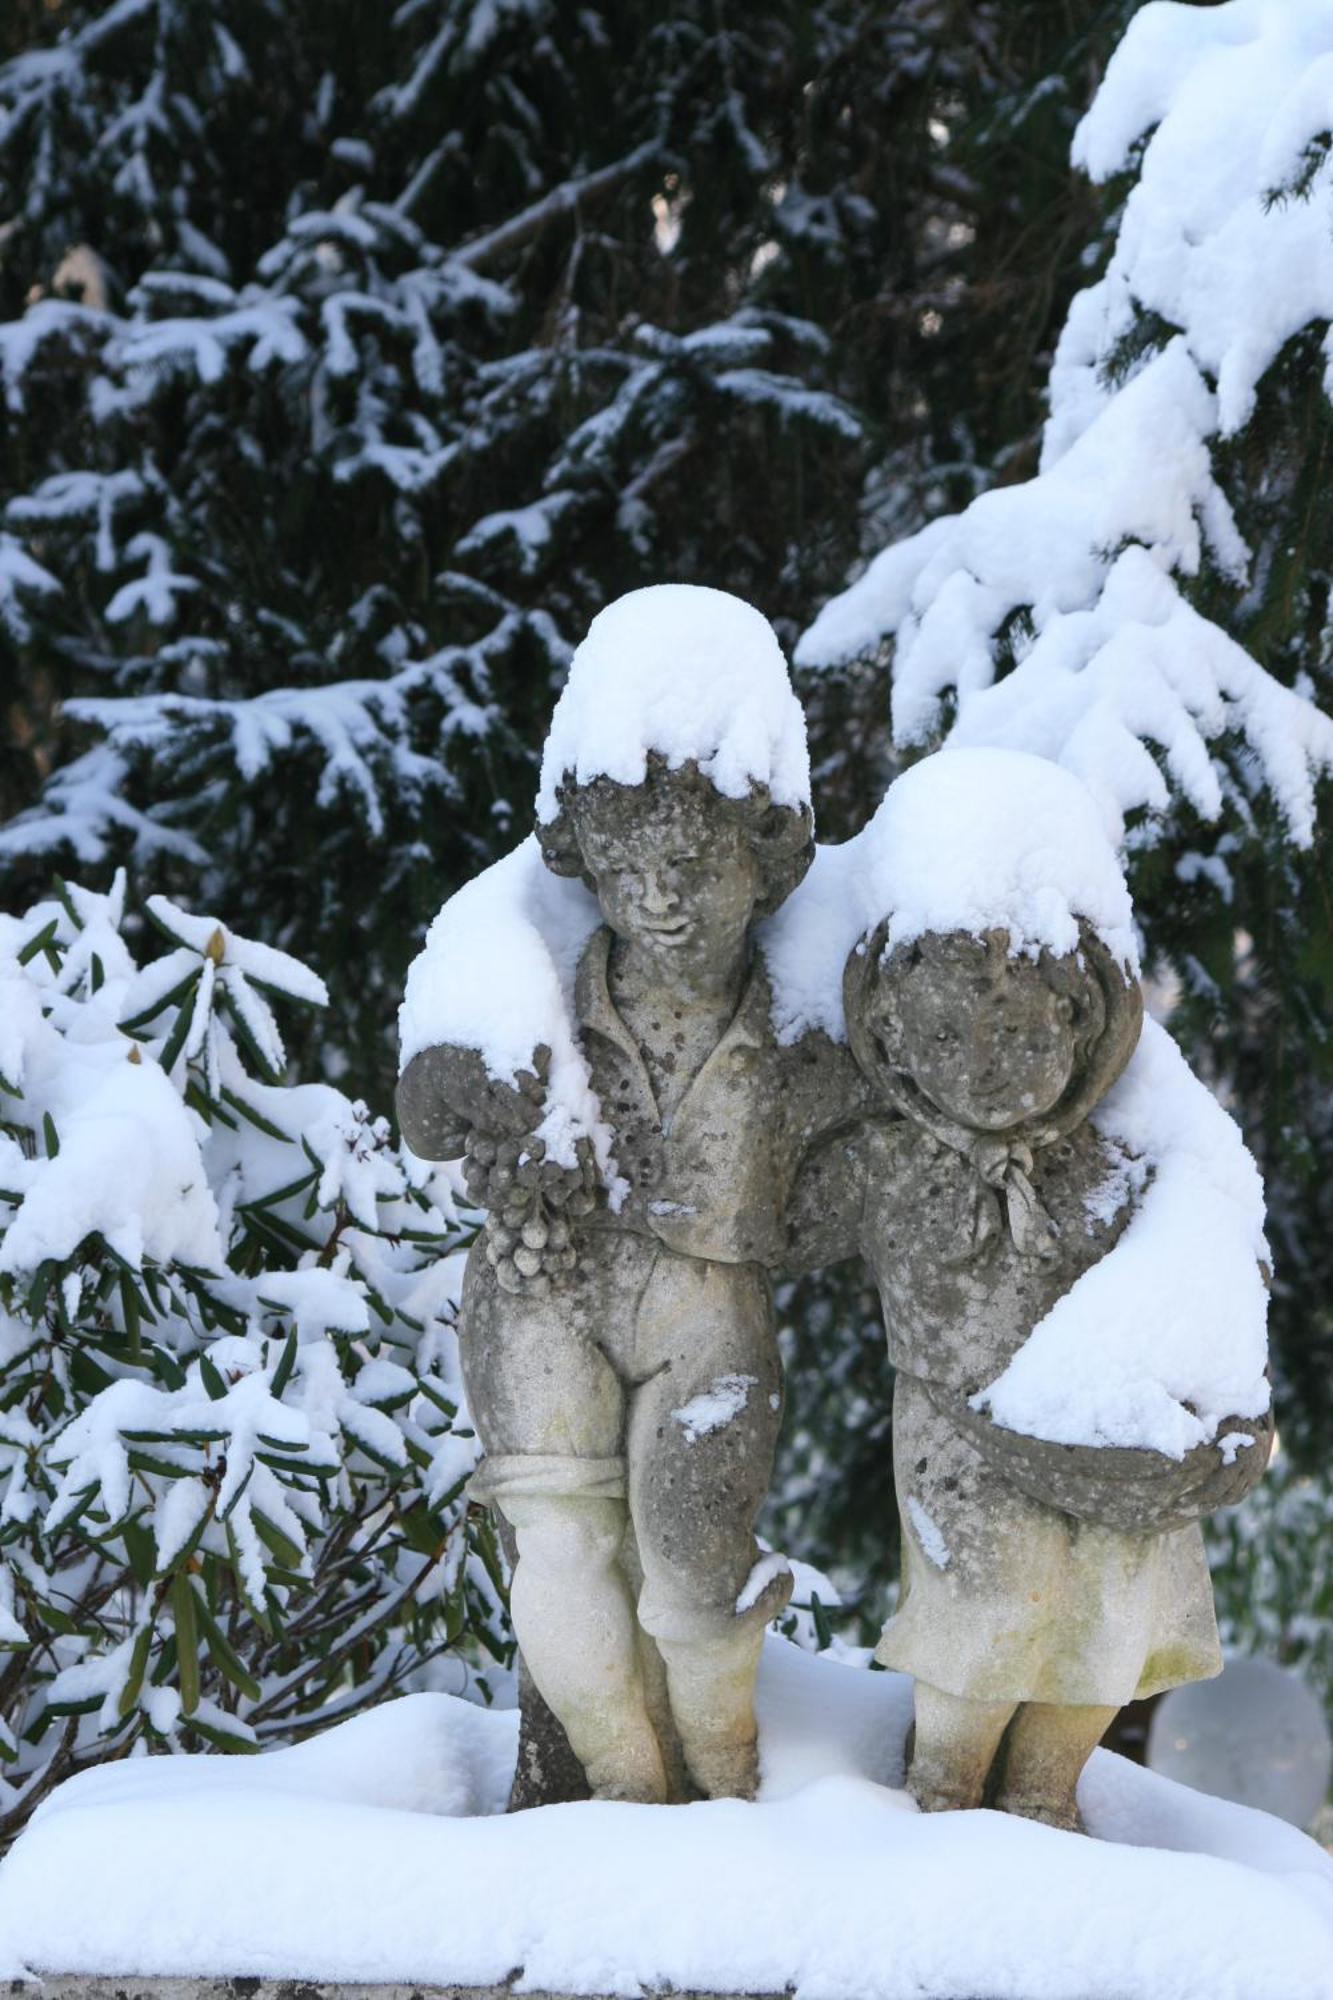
(679, 881)
(985, 1038)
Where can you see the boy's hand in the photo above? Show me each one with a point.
(446, 1093)
(449, 1104)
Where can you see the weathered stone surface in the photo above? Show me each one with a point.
(620, 1359)
(1043, 1585)
(628, 1392)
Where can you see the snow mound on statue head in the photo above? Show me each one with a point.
(496, 974)
(696, 675)
(966, 840)
(980, 840)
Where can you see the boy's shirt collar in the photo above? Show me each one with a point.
(598, 1013)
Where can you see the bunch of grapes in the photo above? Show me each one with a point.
(531, 1201)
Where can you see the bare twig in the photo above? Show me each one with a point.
(580, 192)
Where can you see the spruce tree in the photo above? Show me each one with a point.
(366, 354)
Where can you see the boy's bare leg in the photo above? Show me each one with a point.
(1047, 1749)
(575, 1622)
(699, 1452)
(680, 1786)
(712, 1662)
(955, 1745)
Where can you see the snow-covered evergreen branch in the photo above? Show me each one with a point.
(1085, 613)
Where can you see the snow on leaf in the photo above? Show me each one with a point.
(376, 1434)
(128, 1170)
(181, 1507)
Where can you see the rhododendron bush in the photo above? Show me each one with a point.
(232, 1447)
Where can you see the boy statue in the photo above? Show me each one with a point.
(623, 1376)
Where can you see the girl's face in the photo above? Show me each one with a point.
(984, 1038)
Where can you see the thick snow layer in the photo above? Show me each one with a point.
(1163, 1339)
(1111, 659)
(696, 675)
(981, 839)
(966, 840)
(496, 974)
(128, 1168)
(380, 1852)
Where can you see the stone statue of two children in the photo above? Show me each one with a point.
(620, 1355)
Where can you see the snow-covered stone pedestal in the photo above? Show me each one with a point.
(77, 1986)
(379, 1855)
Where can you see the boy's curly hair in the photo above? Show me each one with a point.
(782, 838)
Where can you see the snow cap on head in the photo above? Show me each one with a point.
(980, 840)
(697, 676)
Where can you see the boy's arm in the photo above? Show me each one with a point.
(449, 1105)
(823, 1219)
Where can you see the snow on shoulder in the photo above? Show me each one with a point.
(695, 675)
(966, 840)
(496, 974)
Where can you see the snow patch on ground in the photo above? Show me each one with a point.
(380, 1851)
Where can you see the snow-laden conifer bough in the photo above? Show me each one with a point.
(1078, 579)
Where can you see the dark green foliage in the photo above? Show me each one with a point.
(235, 1492)
(652, 285)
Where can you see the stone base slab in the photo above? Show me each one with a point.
(91, 1986)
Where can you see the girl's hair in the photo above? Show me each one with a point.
(782, 838)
